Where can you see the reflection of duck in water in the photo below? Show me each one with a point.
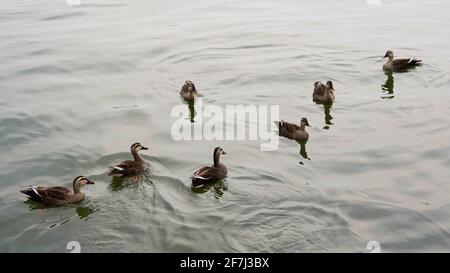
(303, 151)
(388, 86)
(217, 189)
(328, 118)
(192, 112)
(85, 211)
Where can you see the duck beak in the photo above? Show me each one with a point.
(89, 181)
(144, 148)
(385, 55)
(223, 152)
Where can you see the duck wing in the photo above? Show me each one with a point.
(126, 167)
(32, 193)
(58, 193)
(204, 173)
(203, 176)
(291, 128)
(287, 129)
(48, 195)
(319, 89)
(55, 196)
(405, 63)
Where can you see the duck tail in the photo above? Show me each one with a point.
(198, 180)
(116, 172)
(415, 61)
(32, 194)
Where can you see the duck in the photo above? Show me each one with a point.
(323, 93)
(130, 167)
(399, 64)
(188, 91)
(211, 174)
(57, 195)
(293, 131)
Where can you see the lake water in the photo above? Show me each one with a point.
(80, 84)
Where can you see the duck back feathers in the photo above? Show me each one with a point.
(188, 91)
(323, 93)
(293, 131)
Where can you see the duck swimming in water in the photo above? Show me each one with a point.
(323, 93)
(130, 167)
(399, 64)
(209, 174)
(57, 196)
(188, 91)
(293, 131)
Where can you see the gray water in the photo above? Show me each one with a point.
(80, 84)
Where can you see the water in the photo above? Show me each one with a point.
(80, 84)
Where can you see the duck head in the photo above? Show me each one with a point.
(304, 122)
(79, 182)
(330, 85)
(189, 87)
(389, 54)
(217, 152)
(138, 147)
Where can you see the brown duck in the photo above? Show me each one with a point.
(130, 167)
(323, 93)
(188, 91)
(209, 174)
(399, 64)
(57, 196)
(293, 131)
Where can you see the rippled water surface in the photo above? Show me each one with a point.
(80, 84)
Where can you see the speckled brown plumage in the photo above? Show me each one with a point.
(210, 174)
(323, 93)
(130, 167)
(188, 91)
(56, 196)
(293, 131)
(399, 64)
